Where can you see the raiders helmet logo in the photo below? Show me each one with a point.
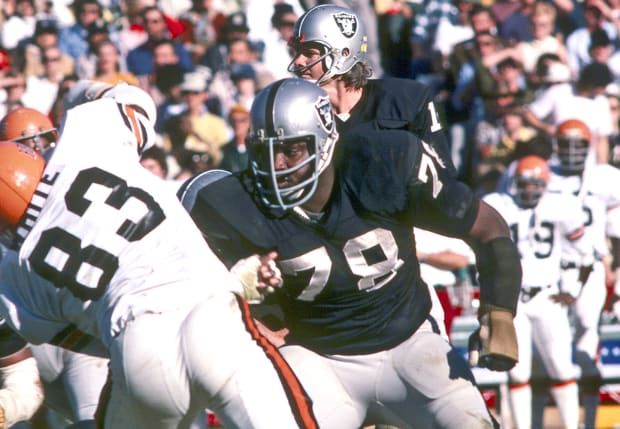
(325, 113)
(347, 23)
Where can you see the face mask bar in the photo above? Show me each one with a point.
(267, 179)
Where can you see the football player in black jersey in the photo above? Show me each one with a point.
(330, 44)
(335, 218)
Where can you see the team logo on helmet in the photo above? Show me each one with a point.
(325, 113)
(347, 23)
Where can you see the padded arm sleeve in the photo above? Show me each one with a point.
(499, 269)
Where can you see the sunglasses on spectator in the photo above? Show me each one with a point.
(90, 10)
(46, 60)
(239, 120)
(286, 24)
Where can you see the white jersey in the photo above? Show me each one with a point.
(149, 258)
(599, 192)
(539, 233)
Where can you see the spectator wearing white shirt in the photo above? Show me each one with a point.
(586, 101)
(41, 91)
(19, 26)
(277, 55)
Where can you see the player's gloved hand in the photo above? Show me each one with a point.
(258, 275)
(563, 298)
(494, 344)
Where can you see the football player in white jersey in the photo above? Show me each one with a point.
(538, 221)
(72, 381)
(128, 268)
(597, 188)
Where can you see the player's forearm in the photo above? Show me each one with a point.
(497, 260)
(21, 394)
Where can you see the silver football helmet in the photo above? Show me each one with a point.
(338, 32)
(285, 112)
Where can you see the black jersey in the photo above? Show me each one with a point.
(394, 103)
(351, 280)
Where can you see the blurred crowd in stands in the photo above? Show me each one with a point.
(501, 70)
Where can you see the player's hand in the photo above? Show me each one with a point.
(269, 276)
(258, 275)
(2, 418)
(494, 344)
(563, 298)
(277, 338)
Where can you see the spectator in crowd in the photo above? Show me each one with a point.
(496, 142)
(192, 162)
(197, 129)
(585, 101)
(234, 153)
(239, 52)
(87, 63)
(140, 59)
(108, 65)
(451, 33)
(57, 113)
(216, 55)
(154, 160)
(475, 84)
(542, 21)
(515, 26)
(210, 130)
(73, 40)
(13, 85)
(578, 42)
(29, 51)
(602, 51)
(277, 53)
(200, 22)
(423, 33)
(19, 26)
(243, 77)
(168, 80)
(41, 90)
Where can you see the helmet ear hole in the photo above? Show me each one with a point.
(345, 52)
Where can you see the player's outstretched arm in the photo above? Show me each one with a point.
(494, 344)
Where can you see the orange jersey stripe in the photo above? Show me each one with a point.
(576, 234)
(135, 126)
(301, 404)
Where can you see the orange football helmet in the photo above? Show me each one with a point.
(30, 127)
(573, 139)
(21, 168)
(530, 181)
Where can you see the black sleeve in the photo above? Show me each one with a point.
(414, 104)
(437, 200)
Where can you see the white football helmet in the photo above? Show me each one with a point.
(136, 104)
(338, 32)
(290, 111)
